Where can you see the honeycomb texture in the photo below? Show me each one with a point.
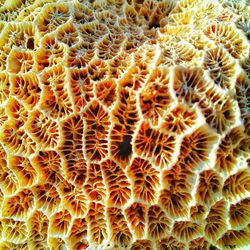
(124, 124)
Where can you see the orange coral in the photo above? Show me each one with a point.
(124, 124)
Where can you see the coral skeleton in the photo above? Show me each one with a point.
(124, 124)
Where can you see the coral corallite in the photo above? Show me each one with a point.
(124, 124)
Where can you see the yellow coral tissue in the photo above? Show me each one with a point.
(124, 124)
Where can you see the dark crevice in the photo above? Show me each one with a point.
(125, 147)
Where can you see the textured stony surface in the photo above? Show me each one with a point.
(124, 124)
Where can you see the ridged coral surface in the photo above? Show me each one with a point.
(124, 124)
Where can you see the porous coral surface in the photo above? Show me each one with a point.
(124, 124)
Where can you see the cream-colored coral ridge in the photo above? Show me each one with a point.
(124, 124)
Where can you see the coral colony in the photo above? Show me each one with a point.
(124, 124)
